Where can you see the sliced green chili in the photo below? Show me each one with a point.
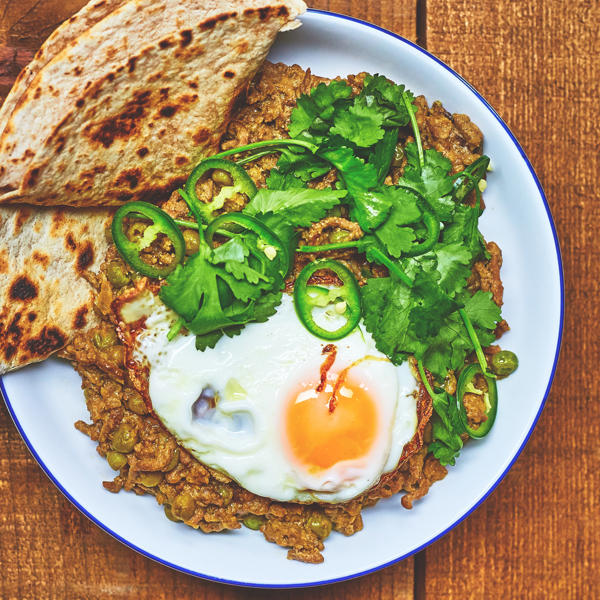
(161, 223)
(432, 226)
(466, 385)
(241, 183)
(346, 299)
(466, 180)
(272, 246)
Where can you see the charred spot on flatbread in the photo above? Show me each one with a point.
(23, 289)
(154, 195)
(41, 258)
(168, 111)
(48, 341)
(80, 320)
(212, 22)
(129, 178)
(31, 177)
(186, 38)
(85, 257)
(22, 216)
(70, 242)
(123, 125)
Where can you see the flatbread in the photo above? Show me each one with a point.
(129, 106)
(44, 298)
(79, 23)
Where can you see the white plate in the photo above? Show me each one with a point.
(46, 399)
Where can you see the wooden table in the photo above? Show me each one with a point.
(538, 535)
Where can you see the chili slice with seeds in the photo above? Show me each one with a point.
(241, 183)
(161, 223)
(307, 298)
(465, 381)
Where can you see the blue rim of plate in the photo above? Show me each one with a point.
(488, 492)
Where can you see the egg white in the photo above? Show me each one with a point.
(253, 374)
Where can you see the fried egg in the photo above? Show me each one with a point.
(285, 414)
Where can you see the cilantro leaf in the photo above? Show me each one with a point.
(386, 312)
(234, 254)
(370, 205)
(192, 291)
(278, 180)
(301, 165)
(482, 310)
(313, 110)
(454, 266)
(360, 124)
(217, 291)
(393, 234)
(433, 181)
(383, 153)
(446, 445)
(387, 96)
(431, 306)
(299, 206)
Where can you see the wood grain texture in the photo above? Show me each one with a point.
(538, 535)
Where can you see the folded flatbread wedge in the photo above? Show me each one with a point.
(45, 254)
(124, 109)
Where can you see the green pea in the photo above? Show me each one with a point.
(169, 514)
(253, 522)
(116, 460)
(192, 241)
(135, 403)
(150, 478)
(124, 438)
(504, 363)
(116, 274)
(320, 525)
(221, 176)
(340, 235)
(183, 506)
(105, 339)
(116, 354)
(174, 460)
(226, 494)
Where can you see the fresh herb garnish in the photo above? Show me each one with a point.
(420, 229)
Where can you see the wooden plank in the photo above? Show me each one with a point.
(538, 535)
(47, 548)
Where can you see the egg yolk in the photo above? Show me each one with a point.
(318, 437)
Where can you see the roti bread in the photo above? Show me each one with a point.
(127, 107)
(68, 31)
(44, 296)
